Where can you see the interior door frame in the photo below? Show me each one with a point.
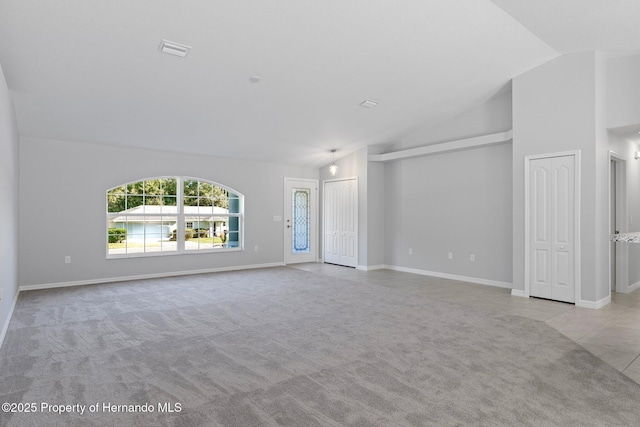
(622, 250)
(324, 204)
(286, 246)
(576, 221)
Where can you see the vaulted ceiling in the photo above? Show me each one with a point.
(91, 70)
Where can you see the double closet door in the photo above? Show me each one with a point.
(552, 219)
(341, 222)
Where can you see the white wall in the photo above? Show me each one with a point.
(602, 201)
(493, 116)
(456, 202)
(556, 108)
(62, 209)
(623, 91)
(8, 206)
(376, 223)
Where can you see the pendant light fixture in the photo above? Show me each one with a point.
(333, 168)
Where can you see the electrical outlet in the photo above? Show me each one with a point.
(0, 293)
(450, 255)
(410, 251)
(472, 257)
(67, 259)
(255, 248)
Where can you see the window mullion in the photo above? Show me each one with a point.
(180, 217)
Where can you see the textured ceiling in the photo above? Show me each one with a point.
(90, 70)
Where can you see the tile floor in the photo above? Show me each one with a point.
(612, 333)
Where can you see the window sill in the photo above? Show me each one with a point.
(173, 253)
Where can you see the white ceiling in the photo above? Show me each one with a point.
(90, 70)
(580, 25)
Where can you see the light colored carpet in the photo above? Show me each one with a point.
(287, 347)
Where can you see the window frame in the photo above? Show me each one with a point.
(180, 220)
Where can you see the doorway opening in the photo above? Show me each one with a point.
(618, 253)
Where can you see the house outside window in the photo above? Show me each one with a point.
(173, 215)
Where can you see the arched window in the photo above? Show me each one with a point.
(173, 215)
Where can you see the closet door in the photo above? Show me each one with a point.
(341, 222)
(552, 224)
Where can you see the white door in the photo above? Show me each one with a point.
(300, 220)
(340, 224)
(552, 228)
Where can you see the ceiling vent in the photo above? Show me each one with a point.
(367, 103)
(173, 48)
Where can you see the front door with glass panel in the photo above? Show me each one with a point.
(300, 220)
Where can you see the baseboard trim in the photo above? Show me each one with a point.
(147, 276)
(519, 293)
(594, 304)
(370, 267)
(5, 327)
(477, 280)
(632, 288)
